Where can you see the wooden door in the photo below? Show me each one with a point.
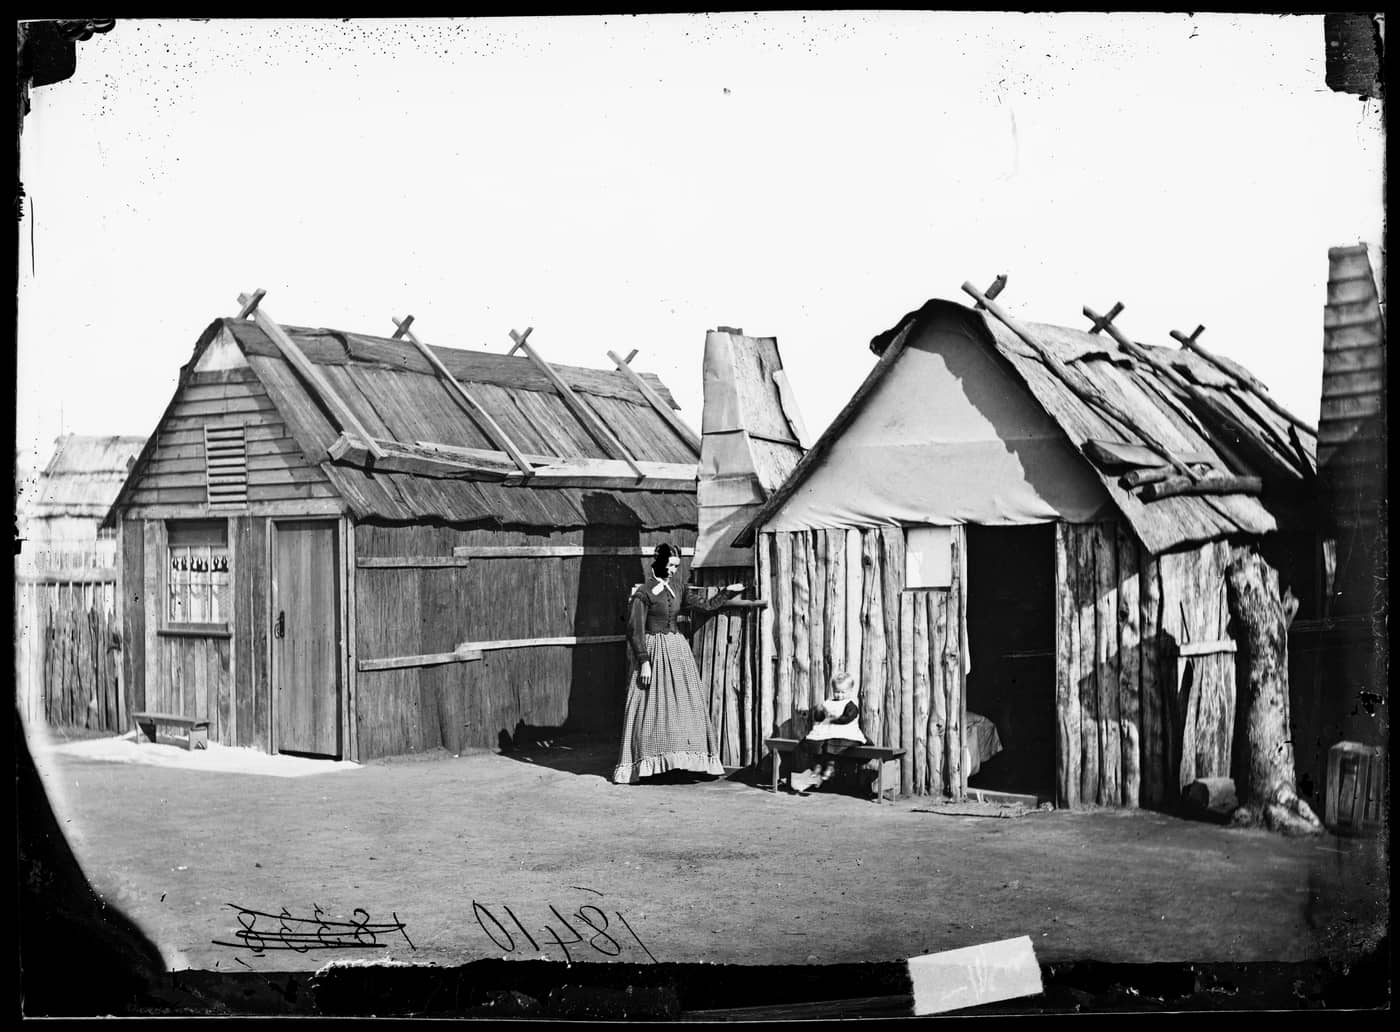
(305, 644)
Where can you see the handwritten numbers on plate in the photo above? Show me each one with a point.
(564, 934)
(634, 935)
(479, 910)
(560, 942)
(250, 938)
(290, 937)
(599, 932)
(294, 934)
(362, 928)
(523, 932)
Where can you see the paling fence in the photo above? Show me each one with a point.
(67, 644)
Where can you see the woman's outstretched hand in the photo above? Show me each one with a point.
(645, 675)
(734, 589)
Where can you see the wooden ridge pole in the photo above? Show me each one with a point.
(303, 365)
(1083, 390)
(498, 436)
(1245, 437)
(686, 434)
(581, 412)
(1248, 382)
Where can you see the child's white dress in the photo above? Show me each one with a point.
(830, 725)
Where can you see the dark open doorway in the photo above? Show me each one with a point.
(1011, 634)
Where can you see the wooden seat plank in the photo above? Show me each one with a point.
(856, 752)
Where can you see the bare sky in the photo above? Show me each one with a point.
(630, 182)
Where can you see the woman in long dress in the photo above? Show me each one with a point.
(667, 725)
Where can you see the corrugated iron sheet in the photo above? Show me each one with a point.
(395, 393)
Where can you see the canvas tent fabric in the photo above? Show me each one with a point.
(947, 437)
(1283, 454)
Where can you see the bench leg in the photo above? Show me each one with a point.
(777, 762)
(199, 738)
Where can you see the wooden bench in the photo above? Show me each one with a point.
(855, 752)
(194, 733)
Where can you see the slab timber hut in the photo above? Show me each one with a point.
(354, 546)
(1018, 534)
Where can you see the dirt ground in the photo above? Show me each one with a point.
(723, 871)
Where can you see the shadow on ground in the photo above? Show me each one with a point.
(574, 752)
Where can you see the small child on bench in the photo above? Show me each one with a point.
(837, 728)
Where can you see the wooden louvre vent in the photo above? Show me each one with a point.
(226, 466)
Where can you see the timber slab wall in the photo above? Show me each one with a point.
(547, 624)
(1144, 670)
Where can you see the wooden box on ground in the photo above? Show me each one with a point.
(1355, 780)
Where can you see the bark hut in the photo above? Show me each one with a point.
(1267, 794)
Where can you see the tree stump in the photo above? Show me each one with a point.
(1267, 794)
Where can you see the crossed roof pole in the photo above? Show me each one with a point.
(506, 461)
(1172, 472)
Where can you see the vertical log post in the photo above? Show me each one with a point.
(816, 631)
(1106, 595)
(1067, 740)
(835, 591)
(801, 619)
(938, 693)
(855, 586)
(1129, 667)
(872, 622)
(892, 580)
(906, 692)
(782, 632)
(1086, 585)
(957, 708)
(767, 582)
(921, 600)
(1154, 726)
(733, 630)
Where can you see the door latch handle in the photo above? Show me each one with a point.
(281, 631)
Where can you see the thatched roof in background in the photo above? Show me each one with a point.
(83, 476)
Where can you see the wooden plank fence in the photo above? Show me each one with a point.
(67, 649)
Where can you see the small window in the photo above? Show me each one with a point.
(928, 557)
(200, 583)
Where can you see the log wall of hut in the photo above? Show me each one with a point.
(725, 646)
(837, 602)
(1145, 672)
(412, 599)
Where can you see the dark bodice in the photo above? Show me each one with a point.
(656, 604)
